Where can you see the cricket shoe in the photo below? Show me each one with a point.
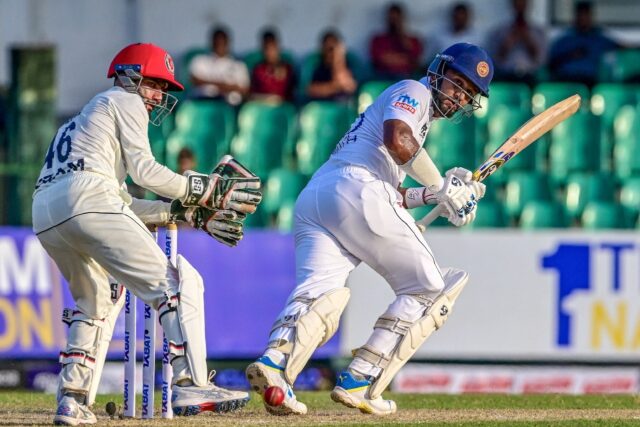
(262, 374)
(353, 392)
(72, 413)
(191, 400)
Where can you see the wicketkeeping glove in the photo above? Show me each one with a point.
(230, 186)
(223, 225)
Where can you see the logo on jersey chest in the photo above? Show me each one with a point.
(407, 103)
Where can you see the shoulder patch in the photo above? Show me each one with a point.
(407, 103)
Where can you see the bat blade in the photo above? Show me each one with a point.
(526, 134)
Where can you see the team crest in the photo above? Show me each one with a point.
(482, 69)
(168, 62)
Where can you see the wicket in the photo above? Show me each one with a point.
(149, 346)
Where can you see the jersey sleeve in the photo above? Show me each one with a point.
(154, 212)
(132, 120)
(408, 101)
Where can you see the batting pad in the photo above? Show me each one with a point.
(417, 334)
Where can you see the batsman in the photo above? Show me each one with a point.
(354, 210)
(93, 229)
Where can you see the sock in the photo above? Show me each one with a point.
(276, 356)
(363, 368)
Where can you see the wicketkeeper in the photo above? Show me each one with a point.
(93, 229)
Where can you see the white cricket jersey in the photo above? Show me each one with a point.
(90, 157)
(363, 145)
(109, 137)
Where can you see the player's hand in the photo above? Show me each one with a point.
(477, 188)
(223, 225)
(457, 197)
(230, 186)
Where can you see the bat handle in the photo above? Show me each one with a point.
(429, 218)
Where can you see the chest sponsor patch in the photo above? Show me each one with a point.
(407, 103)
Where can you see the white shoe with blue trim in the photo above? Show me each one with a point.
(352, 392)
(262, 374)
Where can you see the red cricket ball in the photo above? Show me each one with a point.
(274, 396)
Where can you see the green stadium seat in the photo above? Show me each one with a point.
(603, 215)
(606, 101)
(504, 94)
(256, 220)
(284, 218)
(265, 133)
(542, 214)
(451, 145)
(158, 138)
(282, 186)
(620, 66)
(490, 215)
(547, 94)
(626, 149)
(514, 96)
(205, 117)
(523, 187)
(583, 187)
(206, 127)
(322, 125)
(575, 146)
(630, 199)
(369, 91)
(504, 121)
(544, 96)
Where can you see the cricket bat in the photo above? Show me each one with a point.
(529, 132)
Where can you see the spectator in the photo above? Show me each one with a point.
(186, 160)
(395, 54)
(272, 79)
(458, 30)
(332, 79)
(218, 75)
(518, 48)
(575, 55)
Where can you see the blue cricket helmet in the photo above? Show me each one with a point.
(471, 61)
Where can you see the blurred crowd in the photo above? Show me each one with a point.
(522, 51)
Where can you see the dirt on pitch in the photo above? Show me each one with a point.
(32, 409)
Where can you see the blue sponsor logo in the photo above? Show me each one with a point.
(406, 103)
(406, 99)
(165, 396)
(127, 346)
(147, 349)
(126, 394)
(595, 304)
(145, 399)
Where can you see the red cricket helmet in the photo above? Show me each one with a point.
(147, 59)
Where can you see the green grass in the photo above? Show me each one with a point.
(27, 408)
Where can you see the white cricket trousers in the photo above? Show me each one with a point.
(346, 216)
(91, 234)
